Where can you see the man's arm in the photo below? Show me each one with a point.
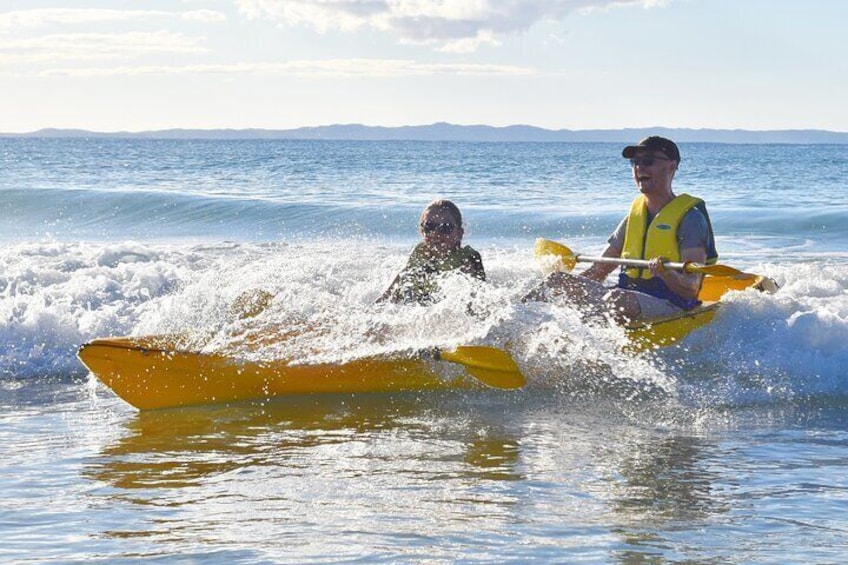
(685, 285)
(600, 271)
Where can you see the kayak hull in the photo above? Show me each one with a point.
(667, 331)
(663, 332)
(151, 376)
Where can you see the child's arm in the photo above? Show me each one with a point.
(389, 291)
(473, 266)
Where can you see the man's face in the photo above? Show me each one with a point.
(652, 171)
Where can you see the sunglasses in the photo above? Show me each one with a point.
(444, 227)
(646, 161)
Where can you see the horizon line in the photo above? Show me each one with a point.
(423, 125)
(445, 131)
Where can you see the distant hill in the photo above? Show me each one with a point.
(452, 132)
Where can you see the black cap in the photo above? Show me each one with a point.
(653, 143)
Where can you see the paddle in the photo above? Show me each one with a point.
(569, 259)
(490, 365)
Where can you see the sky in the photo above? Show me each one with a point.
(136, 65)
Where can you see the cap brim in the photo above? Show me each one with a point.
(631, 150)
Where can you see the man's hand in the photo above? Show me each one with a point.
(657, 267)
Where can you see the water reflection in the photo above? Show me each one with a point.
(495, 458)
(604, 478)
(665, 485)
(186, 447)
(666, 481)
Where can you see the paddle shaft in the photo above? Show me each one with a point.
(642, 263)
(688, 267)
(569, 258)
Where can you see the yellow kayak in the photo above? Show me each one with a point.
(153, 372)
(666, 331)
(156, 372)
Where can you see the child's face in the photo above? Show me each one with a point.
(440, 230)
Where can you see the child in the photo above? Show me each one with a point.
(440, 252)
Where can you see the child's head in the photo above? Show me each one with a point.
(441, 225)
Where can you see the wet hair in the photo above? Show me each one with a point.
(445, 206)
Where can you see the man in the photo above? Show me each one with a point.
(660, 227)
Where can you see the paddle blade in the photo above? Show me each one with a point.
(714, 288)
(490, 365)
(565, 260)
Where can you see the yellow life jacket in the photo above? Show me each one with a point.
(643, 241)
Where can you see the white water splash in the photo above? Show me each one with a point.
(56, 296)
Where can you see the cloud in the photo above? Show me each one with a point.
(448, 25)
(94, 46)
(65, 34)
(327, 68)
(203, 16)
(28, 19)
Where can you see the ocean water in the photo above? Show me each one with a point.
(730, 448)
